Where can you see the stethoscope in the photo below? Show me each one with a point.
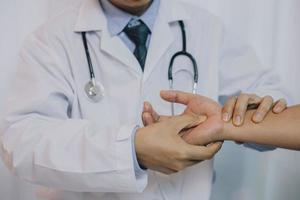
(95, 90)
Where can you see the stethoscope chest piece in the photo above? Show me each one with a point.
(94, 91)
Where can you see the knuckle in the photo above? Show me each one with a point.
(172, 126)
(242, 103)
(212, 152)
(181, 155)
(268, 97)
(231, 100)
(264, 109)
(184, 154)
(254, 98)
(244, 95)
(218, 127)
(239, 110)
(179, 166)
(169, 173)
(282, 101)
(226, 109)
(227, 105)
(175, 155)
(175, 167)
(210, 155)
(170, 122)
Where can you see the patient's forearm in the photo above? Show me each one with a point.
(282, 130)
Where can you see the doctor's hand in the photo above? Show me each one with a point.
(160, 147)
(197, 105)
(236, 107)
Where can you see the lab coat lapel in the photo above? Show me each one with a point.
(162, 36)
(116, 48)
(92, 19)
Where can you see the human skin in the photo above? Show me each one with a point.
(161, 148)
(236, 107)
(281, 130)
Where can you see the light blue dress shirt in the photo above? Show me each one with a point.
(117, 20)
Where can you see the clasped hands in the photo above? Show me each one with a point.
(169, 144)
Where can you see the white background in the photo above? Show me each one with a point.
(272, 27)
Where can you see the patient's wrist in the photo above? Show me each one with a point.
(227, 132)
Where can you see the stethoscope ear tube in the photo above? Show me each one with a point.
(183, 52)
(191, 58)
(183, 34)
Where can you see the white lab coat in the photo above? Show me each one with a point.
(55, 137)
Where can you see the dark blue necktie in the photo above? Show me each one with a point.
(138, 33)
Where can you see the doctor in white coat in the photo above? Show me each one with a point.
(55, 136)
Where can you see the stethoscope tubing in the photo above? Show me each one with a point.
(191, 58)
(88, 57)
(183, 52)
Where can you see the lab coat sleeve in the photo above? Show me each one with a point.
(137, 168)
(42, 144)
(241, 72)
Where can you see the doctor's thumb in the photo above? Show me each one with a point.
(186, 121)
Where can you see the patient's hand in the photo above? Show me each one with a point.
(204, 133)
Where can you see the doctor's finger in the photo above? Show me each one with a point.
(199, 153)
(182, 164)
(228, 108)
(177, 96)
(263, 109)
(165, 170)
(147, 119)
(254, 99)
(280, 106)
(240, 109)
(149, 108)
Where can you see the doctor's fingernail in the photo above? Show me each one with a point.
(166, 91)
(238, 120)
(277, 109)
(146, 105)
(225, 117)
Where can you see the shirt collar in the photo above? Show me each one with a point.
(91, 15)
(118, 19)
